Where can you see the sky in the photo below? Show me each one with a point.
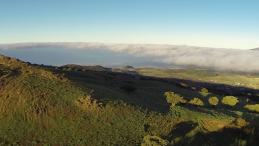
(206, 23)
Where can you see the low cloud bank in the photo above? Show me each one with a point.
(210, 58)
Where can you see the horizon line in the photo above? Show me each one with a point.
(120, 43)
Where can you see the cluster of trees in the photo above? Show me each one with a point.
(231, 101)
(174, 99)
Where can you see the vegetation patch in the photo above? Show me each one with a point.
(173, 98)
(252, 107)
(149, 140)
(213, 101)
(230, 100)
(196, 101)
(204, 92)
(212, 125)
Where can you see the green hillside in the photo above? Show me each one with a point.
(95, 106)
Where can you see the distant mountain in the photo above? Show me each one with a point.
(257, 49)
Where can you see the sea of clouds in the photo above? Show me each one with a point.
(186, 56)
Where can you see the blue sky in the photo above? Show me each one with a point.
(213, 23)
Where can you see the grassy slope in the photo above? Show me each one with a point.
(40, 107)
(235, 79)
(37, 107)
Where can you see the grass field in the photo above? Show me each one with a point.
(250, 80)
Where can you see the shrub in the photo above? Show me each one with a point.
(213, 101)
(239, 122)
(174, 98)
(196, 101)
(149, 140)
(230, 100)
(252, 107)
(87, 103)
(204, 92)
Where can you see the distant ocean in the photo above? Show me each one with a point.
(63, 56)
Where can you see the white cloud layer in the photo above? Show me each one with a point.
(211, 58)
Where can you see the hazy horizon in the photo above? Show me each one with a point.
(26, 44)
(118, 43)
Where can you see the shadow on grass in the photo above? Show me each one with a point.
(182, 129)
(144, 91)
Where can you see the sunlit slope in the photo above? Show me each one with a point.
(33, 100)
(31, 90)
(40, 107)
(250, 80)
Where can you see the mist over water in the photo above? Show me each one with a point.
(138, 55)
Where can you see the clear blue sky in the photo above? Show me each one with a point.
(215, 23)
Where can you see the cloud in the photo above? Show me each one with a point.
(210, 58)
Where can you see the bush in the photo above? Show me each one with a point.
(196, 101)
(252, 107)
(87, 103)
(149, 140)
(174, 98)
(230, 100)
(239, 122)
(204, 92)
(213, 101)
